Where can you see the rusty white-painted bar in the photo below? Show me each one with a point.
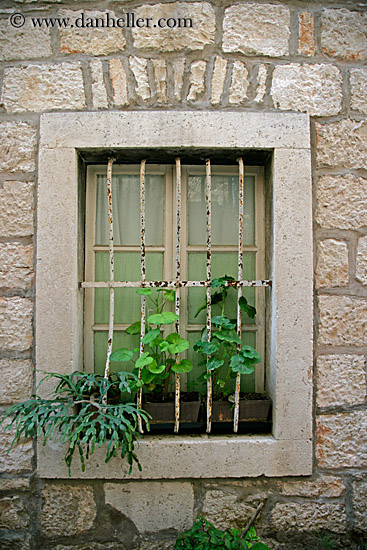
(112, 292)
(208, 200)
(239, 290)
(171, 284)
(142, 278)
(177, 295)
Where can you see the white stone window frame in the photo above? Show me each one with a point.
(59, 299)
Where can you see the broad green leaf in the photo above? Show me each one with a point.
(238, 364)
(164, 345)
(164, 318)
(260, 546)
(147, 376)
(176, 343)
(144, 291)
(249, 352)
(209, 348)
(122, 354)
(144, 360)
(245, 306)
(214, 364)
(156, 369)
(221, 281)
(134, 328)
(222, 321)
(228, 336)
(184, 366)
(151, 335)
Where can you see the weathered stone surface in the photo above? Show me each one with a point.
(15, 484)
(261, 83)
(359, 505)
(153, 505)
(358, 86)
(343, 33)
(343, 321)
(219, 74)
(94, 41)
(197, 80)
(16, 381)
(256, 29)
(306, 40)
(309, 516)
(324, 486)
(67, 509)
(16, 209)
(16, 265)
(99, 94)
(43, 87)
(160, 76)
(15, 541)
(332, 264)
(119, 82)
(341, 380)
(19, 459)
(341, 202)
(15, 323)
(361, 261)
(13, 513)
(239, 83)
(17, 146)
(179, 37)
(230, 509)
(178, 72)
(342, 144)
(90, 546)
(155, 544)
(23, 43)
(342, 440)
(139, 67)
(314, 89)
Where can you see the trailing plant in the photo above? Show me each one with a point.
(158, 363)
(204, 536)
(225, 348)
(79, 414)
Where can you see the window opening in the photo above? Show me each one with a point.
(176, 283)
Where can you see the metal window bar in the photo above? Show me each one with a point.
(176, 284)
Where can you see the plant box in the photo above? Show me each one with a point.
(251, 410)
(164, 413)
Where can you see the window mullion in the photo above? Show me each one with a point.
(239, 290)
(208, 200)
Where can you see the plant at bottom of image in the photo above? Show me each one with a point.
(204, 536)
(79, 414)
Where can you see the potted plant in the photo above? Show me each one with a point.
(80, 415)
(225, 356)
(160, 361)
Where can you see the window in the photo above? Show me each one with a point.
(281, 142)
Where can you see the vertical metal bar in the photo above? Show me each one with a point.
(208, 193)
(110, 250)
(178, 274)
(240, 274)
(142, 277)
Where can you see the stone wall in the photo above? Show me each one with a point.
(287, 55)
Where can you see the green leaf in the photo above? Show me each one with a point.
(209, 348)
(134, 328)
(184, 366)
(147, 376)
(155, 369)
(221, 281)
(244, 305)
(151, 335)
(176, 343)
(122, 354)
(249, 352)
(144, 291)
(214, 364)
(169, 295)
(260, 546)
(164, 345)
(164, 318)
(222, 321)
(144, 360)
(228, 336)
(238, 365)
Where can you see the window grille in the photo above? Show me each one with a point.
(177, 283)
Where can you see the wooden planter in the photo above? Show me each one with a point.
(164, 413)
(251, 410)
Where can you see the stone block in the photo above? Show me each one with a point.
(67, 509)
(23, 43)
(219, 74)
(343, 33)
(314, 89)
(16, 210)
(342, 144)
(358, 86)
(14, 484)
(239, 83)
(226, 508)
(119, 82)
(324, 486)
(139, 67)
(332, 264)
(43, 87)
(343, 321)
(261, 84)
(16, 323)
(16, 380)
(91, 546)
(183, 35)
(91, 40)
(359, 505)
(16, 265)
(99, 94)
(13, 513)
(256, 29)
(160, 77)
(178, 66)
(197, 80)
(19, 459)
(306, 40)
(341, 440)
(17, 146)
(15, 541)
(161, 544)
(341, 380)
(153, 505)
(361, 261)
(341, 202)
(309, 516)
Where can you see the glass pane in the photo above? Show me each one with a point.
(120, 340)
(224, 210)
(127, 268)
(223, 263)
(126, 209)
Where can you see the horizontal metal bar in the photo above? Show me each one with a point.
(127, 248)
(220, 248)
(170, 284)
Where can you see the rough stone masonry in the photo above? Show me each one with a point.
(281, 55)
